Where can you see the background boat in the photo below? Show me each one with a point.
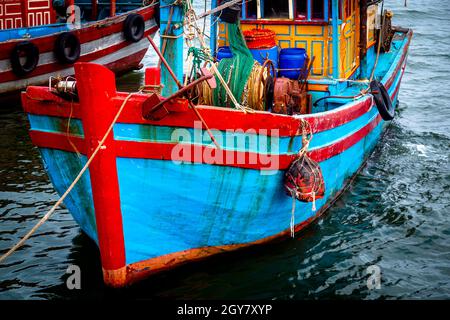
(30, 32)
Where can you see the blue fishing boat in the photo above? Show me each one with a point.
(211, 157)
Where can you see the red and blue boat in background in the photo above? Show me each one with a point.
(43, 38)
(177, 182)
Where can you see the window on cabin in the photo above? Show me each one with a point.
(301, 9)
(251, 7)
(348, 8)
(276, 9)
(317, 10)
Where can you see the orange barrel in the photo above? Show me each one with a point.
(260, 38)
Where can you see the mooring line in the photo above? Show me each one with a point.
(80, 174)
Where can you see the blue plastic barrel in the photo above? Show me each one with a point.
(261, 55)
(224, 52)
(291, 58)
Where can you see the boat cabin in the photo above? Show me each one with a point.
(309, 24)
(339, 34)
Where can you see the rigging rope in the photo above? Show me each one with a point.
(66, 193)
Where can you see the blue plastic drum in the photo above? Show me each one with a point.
(261, 55)
(224, 52)
(291, 62)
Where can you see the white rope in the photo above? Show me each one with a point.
(293, 215)
(58, 203)
(192, 29)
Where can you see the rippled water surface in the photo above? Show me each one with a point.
(396, 214)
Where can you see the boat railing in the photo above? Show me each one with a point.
(31, 32)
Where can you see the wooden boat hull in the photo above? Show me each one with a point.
(149, 213)
(101, 42)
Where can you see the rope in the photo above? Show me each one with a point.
(61, 199)
(306, 129)
(379, 43)
(191, 23)
(68, 130)
(292, 225)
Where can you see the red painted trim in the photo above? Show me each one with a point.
(163, 151)
(59, 141)
(217, 118)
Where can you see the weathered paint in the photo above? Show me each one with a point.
(173, 213)
(174, 45)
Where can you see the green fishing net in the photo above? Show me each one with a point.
(235, 70)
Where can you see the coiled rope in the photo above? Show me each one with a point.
(75, 181)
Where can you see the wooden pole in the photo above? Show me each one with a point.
(182, 89)
(335, 26)
(94, 12)
(112, 11)
(172, 44)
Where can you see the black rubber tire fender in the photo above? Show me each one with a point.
(67, 48)
(134, 27)
(382, 100)
(28, 50)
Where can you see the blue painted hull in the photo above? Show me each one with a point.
(168, 208)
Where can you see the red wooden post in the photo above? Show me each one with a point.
(94, 12)
(112, 12)
(152, 76)
(96, 87)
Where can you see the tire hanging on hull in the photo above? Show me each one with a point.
(134, 27)
(382, 100)
(67, 48)
(30, 52)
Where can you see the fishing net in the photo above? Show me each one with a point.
(235, 70)
(304, 180)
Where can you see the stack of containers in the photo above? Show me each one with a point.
(262, 45)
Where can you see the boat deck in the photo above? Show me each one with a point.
(348, 90)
